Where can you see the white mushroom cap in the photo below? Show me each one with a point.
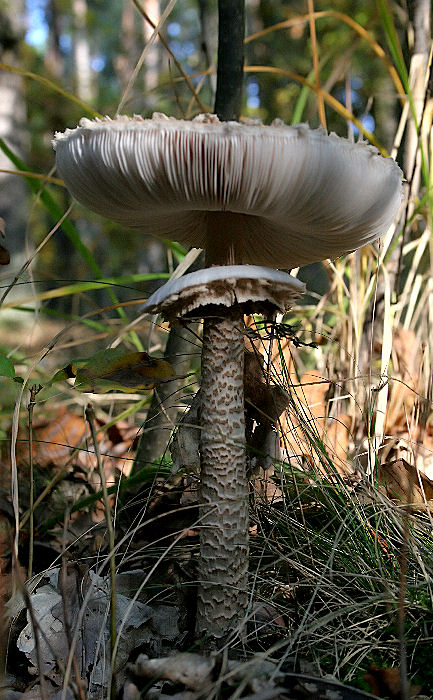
(278, 195)
(252, 287)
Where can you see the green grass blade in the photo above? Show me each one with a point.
(393, 42)
(51, 86)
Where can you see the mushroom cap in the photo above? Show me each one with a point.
(292, 195)
(200, 293)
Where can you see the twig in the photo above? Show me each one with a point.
(33, 392)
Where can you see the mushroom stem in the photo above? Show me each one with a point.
(223, 565)
(223, 246)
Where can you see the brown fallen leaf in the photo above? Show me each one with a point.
(54, 439)
(312, 415)
(406, 363)
(402, 481)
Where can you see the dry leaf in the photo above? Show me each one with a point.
(312, 415)
(155, 626)
(405, 483)
(407, 361)
(54, 441)
(192, 670)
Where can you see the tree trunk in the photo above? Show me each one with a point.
(14, 194)
(125, 61)
(421, 22)
(166, 400)
(83, 73)
(208, 40)
(53, 58)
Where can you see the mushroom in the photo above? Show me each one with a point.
(251, 196)
(278, 195)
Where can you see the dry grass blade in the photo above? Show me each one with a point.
(51, 86)
(35, 176)
(332, 101)
(363, 33)
(320, 103)
(146, 49)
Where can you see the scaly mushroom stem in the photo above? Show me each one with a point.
(223, 566)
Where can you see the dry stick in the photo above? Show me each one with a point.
(404, 686)
(33, 391)
(403, 560)
(419, 70)
(90, 417)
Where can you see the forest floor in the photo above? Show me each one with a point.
(340, 564)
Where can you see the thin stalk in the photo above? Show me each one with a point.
(231, 32)
(33, 391)
(90, 417)
(403, 559)
(164, 409)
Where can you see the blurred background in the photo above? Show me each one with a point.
(90, 49)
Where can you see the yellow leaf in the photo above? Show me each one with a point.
(115, 370)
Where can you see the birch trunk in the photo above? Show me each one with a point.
(83, 75)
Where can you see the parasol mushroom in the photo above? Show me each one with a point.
(250, 195)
